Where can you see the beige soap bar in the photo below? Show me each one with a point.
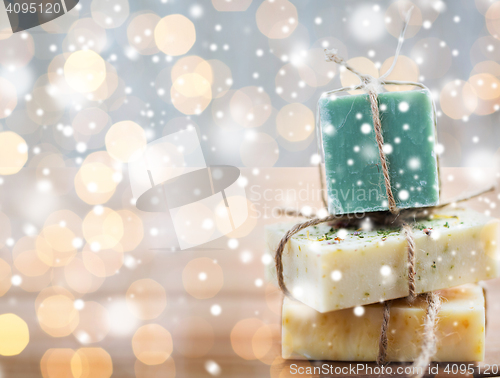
(333, 269)
(353, 334)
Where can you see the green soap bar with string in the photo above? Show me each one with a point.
(355, 181)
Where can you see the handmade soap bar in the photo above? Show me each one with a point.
(355, 182)
(348, 335)
(330, 269)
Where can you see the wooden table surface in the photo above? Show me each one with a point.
(251, 349)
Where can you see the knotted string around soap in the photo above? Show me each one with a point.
(372, 86)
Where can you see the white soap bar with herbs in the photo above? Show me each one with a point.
(353, 334)
(331, 269)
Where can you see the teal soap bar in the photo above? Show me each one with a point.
(355, 181)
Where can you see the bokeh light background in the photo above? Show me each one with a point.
(92, 287)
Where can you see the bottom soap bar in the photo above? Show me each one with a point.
(353, 334)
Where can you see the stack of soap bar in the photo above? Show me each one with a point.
(330, 269)
(353, 172)
(349, 335)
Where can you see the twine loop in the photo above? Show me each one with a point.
(372, 86)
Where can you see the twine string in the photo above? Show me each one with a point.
(408, 233)
(383, 340)
(428, 347)
(377, 126)
(372, 86)
(429, 342)
(407, 215)
(283, 242)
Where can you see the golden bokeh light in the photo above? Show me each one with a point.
(80, 279)
(191, 80)
(485, 85)
(87, 191)
(363, 65)
(192, 64)
(8, 97)
(140, 33)
(56, 363)
(108, 86)
(102, 262)
(55, 245)
(175, 34)
(202, 278)
(194, 337)
(26, 258)
(242, 335)
(93, 325)
(146, 299)
(395, 16)
(13, 153)
(91, 363)
(259, 150)
(110, 14)
(57, 315)
(133, 230)
(191, 93)
(404, 70)
(231, 6)
(14, 335)
(222, 79)
(125, 141)
(458, 99)
(192, 85)
(164, 370)
(487, 66)
(484, 80)
(492, 18)
(277, 19)
(250, 106)
(5, 277)
(60, 238)
(51, 291)
(483, 5)
(93, 179)
(34, 284)
(266, 343)
(102, 228)
(152, 344)
(295, 122)
(85, 71)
